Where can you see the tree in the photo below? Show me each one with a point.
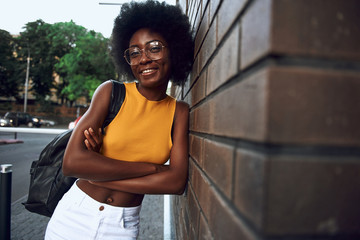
(63, 36)
(87, 65)
(33, 42)
(10, 79)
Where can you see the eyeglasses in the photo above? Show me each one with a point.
(153, 50)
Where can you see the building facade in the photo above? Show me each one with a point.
(274, 99)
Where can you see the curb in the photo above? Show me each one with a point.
(10, 141)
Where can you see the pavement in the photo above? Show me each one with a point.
(31, 226)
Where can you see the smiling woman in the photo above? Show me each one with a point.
(151, 45)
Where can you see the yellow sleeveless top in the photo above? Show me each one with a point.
(141, 131)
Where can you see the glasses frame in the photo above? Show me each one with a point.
(143, 51)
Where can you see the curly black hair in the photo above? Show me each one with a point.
(167, 20)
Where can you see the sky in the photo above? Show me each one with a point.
(14, 14)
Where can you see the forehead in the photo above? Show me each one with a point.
(145, 35)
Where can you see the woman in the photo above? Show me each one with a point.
(152, 42)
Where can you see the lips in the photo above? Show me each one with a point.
(148, 71)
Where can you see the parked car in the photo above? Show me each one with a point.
(21, 118)
(46, 122)
(5, 122)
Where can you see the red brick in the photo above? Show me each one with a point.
(203, 28)
(228, 12)
(195, 70)
(204, 231)
(200, 118)
(250, 185)
(193, 210)
(224, 223)
(197, 12)
(218, 164)
(225, 63)
(300, 28)
(239, 111)
(197, 19)
(201, 187)
(208, 47)
(314, 106)
(196, 146)
(255, 32)
(317, 194)
(323, 28)
(198, 90)
(213, 4)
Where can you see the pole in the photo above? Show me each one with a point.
(5, 201)
(27, 81)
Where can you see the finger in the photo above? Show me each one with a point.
(100, 136)
(94, 136)
(87, 144)
(90, 139)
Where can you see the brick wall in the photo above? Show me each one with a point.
(274, 122)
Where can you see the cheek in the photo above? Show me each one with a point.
(134, 71)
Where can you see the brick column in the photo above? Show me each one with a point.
(274, 122)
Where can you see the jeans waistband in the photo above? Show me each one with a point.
(80, 198)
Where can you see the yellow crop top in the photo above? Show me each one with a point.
(141, 131)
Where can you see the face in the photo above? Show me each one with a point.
(150, 73)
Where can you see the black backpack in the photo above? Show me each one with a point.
(47, 182)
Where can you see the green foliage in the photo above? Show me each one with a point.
(78, 56)
(9, 68)
(33, 42)
(87, 65)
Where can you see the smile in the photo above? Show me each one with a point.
(148, 71)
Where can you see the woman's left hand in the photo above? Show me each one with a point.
(93, 140)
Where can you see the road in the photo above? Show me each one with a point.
(26, 225)
(21, 155)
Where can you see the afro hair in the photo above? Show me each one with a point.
(167, 20)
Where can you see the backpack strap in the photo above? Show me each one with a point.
(117, 98)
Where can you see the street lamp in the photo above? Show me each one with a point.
(27, 81)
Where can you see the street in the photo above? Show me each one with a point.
(21, 155)
(27, 225)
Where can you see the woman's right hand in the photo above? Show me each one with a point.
(93, 141)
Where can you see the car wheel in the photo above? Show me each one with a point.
(30, 124)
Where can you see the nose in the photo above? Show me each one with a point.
(144, 58)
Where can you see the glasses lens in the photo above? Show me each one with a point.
(153, 50)
(133, 55)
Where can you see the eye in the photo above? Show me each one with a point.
(155, 49)
(134, 52)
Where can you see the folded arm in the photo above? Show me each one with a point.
(81, 163)
(173, 179)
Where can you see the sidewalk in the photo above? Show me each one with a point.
(30, 226)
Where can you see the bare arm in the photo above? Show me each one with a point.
(82, 163)
(171, 181)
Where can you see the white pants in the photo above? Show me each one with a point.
(78, 216)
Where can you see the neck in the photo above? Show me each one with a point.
(153, 94)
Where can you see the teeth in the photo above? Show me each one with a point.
(147, 70)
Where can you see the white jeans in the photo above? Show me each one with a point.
(78, 216)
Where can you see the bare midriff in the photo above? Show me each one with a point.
(111, 197)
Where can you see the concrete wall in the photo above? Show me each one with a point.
(274, 123)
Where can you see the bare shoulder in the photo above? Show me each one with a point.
(104, 88)
(182, 106)
(102, 95)
(181, 111)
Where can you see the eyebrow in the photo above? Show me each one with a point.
(146, 43)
